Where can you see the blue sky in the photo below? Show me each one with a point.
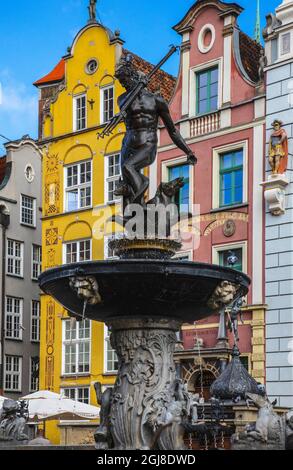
(34, 34)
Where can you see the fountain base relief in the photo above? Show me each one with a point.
(148, 403)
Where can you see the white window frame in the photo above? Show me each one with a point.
(106, 352)
(36, 263)
(110, 179)
(217, 153)
(102, 98)
(14, 315)
(79, 186)
(32, 390)
(107, 238)
(192, 89)
(166, 164)
(36, 318)
(284, 55)
(77, 342)
(217, 249)
(15, 258)
(76, 389)
(75, 100)
(78, 242)
(33, 199)
(12, 373)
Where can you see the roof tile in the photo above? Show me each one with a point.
(250, 55)
(56, 75)
(161, 81)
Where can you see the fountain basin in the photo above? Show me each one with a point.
(150, 288)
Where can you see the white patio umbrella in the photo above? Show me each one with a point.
(48, 405)
(62, 408)
(44, 394)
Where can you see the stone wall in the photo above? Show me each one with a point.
(279, 251)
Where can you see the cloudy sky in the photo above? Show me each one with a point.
(34, 34)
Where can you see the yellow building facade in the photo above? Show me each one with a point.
(79, 177)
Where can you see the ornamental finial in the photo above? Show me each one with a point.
(93, 11)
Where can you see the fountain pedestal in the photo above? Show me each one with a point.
(147, 405)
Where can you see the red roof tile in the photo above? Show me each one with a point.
(56, 75)
(161, 81)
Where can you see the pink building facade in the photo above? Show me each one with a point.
(219, 107)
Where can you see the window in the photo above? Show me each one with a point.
(14, 258)
(285, 43)
(29, 173)
(92, 66)
(74, 252)
(14, 309)
(34, 374)
(207, 91)
(76, 347)
(224, 255)
(28, 211)
(78, 186)
(112, 176)
(35, 321)
(79, 112)
(111, 360)
(36, 261)
(180, 171)
(107, 104)
(81, 394)
(12, 373)
(231, 178)
(221, 254)
(109, 252)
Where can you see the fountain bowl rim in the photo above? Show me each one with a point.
(96, 267)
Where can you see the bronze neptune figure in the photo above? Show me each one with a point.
(141, 111)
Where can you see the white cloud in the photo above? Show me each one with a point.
(18, 107)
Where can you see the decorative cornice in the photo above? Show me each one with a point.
(225, 9)
(185, 46)
(228, 30)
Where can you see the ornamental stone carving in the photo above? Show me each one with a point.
(148, 407)
(275, 192)
(223, 295)
(86, 289)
